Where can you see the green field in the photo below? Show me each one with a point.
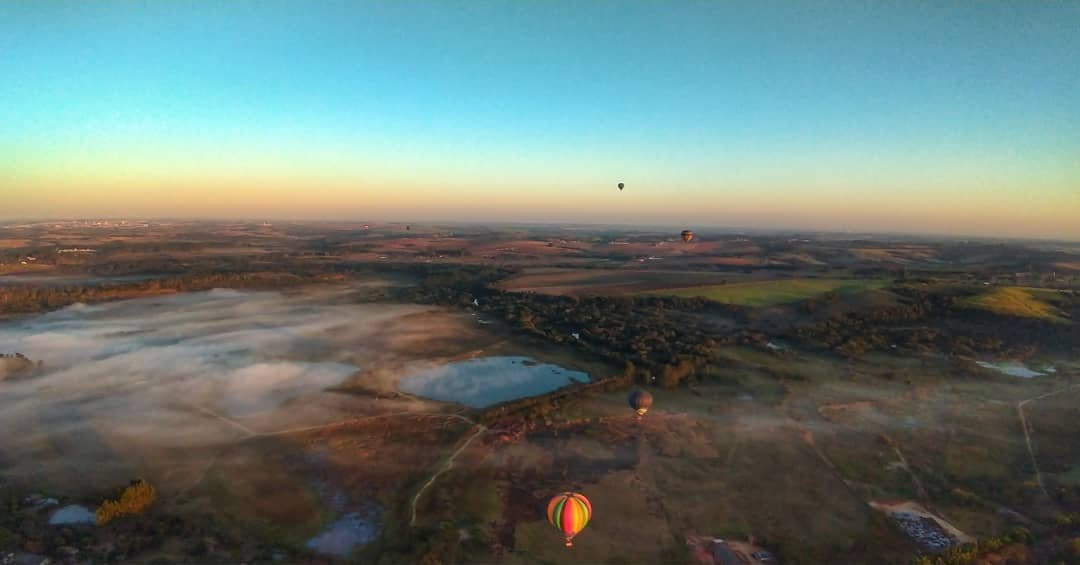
(772, 292)
(1070, 477)
(1017, 301)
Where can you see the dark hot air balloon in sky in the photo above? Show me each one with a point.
(569, 512)
(640, 400)
(687, 235)
(621, 186)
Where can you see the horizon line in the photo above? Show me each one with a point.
(636, 226)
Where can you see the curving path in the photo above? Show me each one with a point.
(446, 467)
(1027, 434)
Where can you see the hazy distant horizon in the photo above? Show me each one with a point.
(630, 227)
(955, 117)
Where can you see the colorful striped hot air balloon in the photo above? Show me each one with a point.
(569, 512)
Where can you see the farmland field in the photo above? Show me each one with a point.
(576, 282)
(769, 293)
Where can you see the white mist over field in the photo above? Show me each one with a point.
(156, 381)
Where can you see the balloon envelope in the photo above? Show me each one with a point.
(569, 512)
(687, 235)
(621, 186)
(640, 400)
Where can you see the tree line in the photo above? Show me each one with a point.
(27, 298)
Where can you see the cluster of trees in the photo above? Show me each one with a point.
(853, 334)
(932, 318)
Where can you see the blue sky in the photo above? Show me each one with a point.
(802, 113)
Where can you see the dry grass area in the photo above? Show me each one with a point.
(288, 487)
(13, 243)
(731, 261)
(895, 254)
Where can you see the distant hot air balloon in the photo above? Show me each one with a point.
(407, 228)
(569, 512)
(687, 235)
(621, 186)
(640, 400)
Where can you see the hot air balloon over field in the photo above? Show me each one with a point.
(569, 512)
(621, 186)
(687, 235)
(640, 400)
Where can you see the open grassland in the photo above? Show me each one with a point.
(578, 282)
(1017, 301)
(770, 293)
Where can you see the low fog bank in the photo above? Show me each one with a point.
(137, 383)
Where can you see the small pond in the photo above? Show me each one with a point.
(344, 535)
(71, 514)
(1014, 369)
(489, 380)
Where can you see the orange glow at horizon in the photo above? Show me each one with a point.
(281, 197)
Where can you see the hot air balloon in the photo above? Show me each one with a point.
(640, 400)
(621, 186)
(569, 512)
(687, 235)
